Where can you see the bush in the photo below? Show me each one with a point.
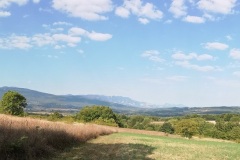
(167, 128)
(100, 114)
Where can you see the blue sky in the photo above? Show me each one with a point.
(173, 51)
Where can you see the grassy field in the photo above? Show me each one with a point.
(137, 146)
(28, 139)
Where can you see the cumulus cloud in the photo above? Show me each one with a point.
(190, 56)
(122, 12)
(207, 9)
(215, 46)
(91, 35)
(61, 23)
(7, 3)
(217, 6)
(70, 40)
(4, 14)
(86, 9)
(36, 1)
(99, 36)
(194, 19)
(14, 41)
(178, 8)
(56, 40)
(235, 53)
(204, 57)
(153, 55)
(4, 4)
(188, 65)
(143, 20)
(138, 8)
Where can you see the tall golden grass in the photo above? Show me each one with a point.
(27, 138)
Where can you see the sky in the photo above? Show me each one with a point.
(156, 51)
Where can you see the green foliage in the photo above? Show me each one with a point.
(13, 103)
(187, 128)
(167, 128)
(98, 114)
(56, 116)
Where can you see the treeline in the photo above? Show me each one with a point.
(224, 126)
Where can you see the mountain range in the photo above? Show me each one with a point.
(45, 102)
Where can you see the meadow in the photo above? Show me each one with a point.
(24, 138)
(28, 138)
(143, 146)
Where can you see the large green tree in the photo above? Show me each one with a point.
(13, 103)
(98, 114)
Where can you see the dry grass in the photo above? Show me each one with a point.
(27, 138)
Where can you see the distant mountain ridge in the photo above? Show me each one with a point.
(45, 103)
(34, 96)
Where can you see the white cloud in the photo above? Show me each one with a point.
(7, 3)
(153, 55)
(136, 7)
(194, 19)
(186, 64)
(169, 21)
(42, 40)
(235, 53)
(143, 20)
(62, 23)
(99, 36)
(217, 6)
(70, 40)
(205, 57)
(4, 14)
(182, 56)
(57, 41)
(36, 1)
(190, 56)
(215, 46)
(178, 8)
(91, 35)
(14, 41)
(76, 31)
(4, 4)
(122, 12)
(85, 9)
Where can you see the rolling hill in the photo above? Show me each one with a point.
(45, 102)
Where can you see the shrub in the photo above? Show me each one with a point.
(98, 114)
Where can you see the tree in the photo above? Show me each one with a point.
(167, 128)
(98, 114)
(187, 127)
(13, 103)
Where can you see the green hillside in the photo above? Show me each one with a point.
(133, 146)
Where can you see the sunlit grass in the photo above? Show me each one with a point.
(134, 146)
(27, 138)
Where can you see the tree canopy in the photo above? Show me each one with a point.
(13, 103)
(97, 114)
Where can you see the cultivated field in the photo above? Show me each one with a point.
(27, 138)
(142, 146)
